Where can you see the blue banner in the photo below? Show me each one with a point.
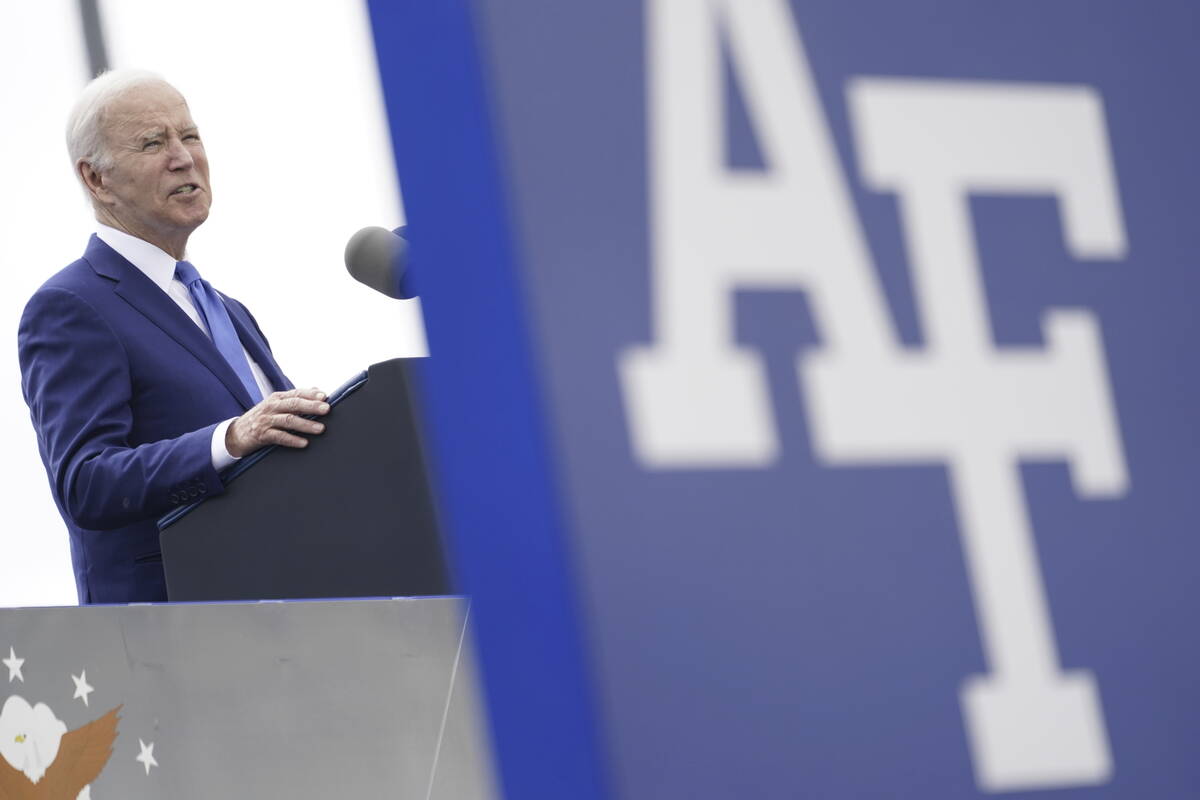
(812, 387)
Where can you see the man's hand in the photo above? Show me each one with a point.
(277, 420)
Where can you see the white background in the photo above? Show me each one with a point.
(288, 101)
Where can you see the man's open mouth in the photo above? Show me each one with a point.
(187, 188)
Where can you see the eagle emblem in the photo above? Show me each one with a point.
(42, 760)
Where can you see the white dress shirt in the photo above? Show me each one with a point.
(159, 267)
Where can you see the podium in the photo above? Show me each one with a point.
(347, 698)
(351, 515)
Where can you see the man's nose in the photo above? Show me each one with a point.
(178, 156)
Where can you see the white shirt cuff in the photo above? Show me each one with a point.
(220, 456)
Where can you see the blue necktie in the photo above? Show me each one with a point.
(220, 327)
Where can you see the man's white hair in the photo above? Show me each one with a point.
(85, 126)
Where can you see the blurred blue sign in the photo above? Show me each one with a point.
(812, 387)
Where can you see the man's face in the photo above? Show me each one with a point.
(157, 185)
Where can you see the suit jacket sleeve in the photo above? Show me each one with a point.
(76, 380)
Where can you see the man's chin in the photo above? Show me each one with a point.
(193, 219)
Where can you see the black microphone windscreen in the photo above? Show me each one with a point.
(377, 258)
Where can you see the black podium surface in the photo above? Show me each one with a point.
(351, 515)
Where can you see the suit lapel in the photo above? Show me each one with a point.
(133, 286)
(255, 345)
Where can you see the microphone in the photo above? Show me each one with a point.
(378, 258)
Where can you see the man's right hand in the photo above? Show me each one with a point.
(277, 420)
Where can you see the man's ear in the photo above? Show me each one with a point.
(93, 179)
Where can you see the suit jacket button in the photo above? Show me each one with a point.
(174, 498)
(193, 492)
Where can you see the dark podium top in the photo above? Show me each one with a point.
(351, 515)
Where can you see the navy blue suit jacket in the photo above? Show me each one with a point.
(125, 391)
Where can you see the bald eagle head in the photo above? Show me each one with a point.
(29, 736)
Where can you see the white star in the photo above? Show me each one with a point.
(146, 757)
(14, 665)
(82, 690)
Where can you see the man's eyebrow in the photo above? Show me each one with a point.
(154, 133)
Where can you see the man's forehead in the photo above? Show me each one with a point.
(148, 108)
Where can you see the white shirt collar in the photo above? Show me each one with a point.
(158, 265)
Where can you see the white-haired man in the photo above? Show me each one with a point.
(142, 381)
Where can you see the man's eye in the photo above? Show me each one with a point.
(192, 137)
(150, 145)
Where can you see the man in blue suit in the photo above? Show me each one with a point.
(142, 381)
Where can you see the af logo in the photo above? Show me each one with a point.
(696, 400)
